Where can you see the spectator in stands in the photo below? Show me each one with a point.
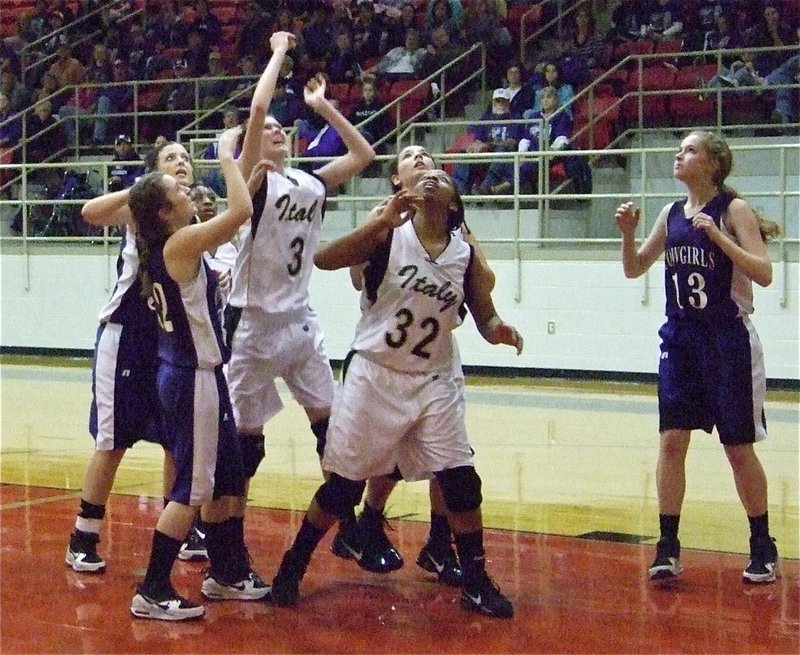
(445, 14)
(341, 18)
(46, 136)
(551, 77)
(165, 26)
(55, 35)
(369, 107)
(558, 130)
(662, 20)
(587, 44)
(402, 63)
(17, 95)
(441, 51)
(483, 23)
(556, 127)
(489, 137)
(48, 90)
(572, 69)
(64, 8)
(92, 11)
(342, 64)
(123, 176)
(254, 31)
(627, 21)
(317, 42)
(18, 41)
(112, 99)
(285, 107)
(197, 52)
(177, 99)
(10, 132)
(396, 23)
(39, 19)
(136, 51)
(158, 62)
(786, 99)
(741, 73)
(99, 69)
(242, 92)
(367, 30)
(772, 30)
(722, 37)
(522, 95)
(206, 21)
(215, 90)
(66, 68)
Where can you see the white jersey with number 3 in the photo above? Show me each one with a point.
(411, 303)
(273, 267)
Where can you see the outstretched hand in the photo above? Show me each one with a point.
(226, 147)
(282, 41)
(314, 91)
(627, 217)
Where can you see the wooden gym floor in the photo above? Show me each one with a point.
(569, 502)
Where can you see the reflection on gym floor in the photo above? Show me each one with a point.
(568, 484)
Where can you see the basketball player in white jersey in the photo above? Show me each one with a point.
(399, 402)
(274, 332)
(364, 540)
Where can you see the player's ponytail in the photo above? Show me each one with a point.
(720, 152)
(147, 197)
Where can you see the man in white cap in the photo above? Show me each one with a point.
(491, 135)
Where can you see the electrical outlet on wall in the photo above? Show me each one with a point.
(551, 327)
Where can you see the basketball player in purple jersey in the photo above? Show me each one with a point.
(711, 370)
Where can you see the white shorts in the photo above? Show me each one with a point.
(264, 349)
(384, 418)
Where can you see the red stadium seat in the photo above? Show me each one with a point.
(603, 113)
(412, 104)
(659, 77)
(696, 105)
(631, 48)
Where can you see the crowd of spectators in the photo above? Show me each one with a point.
(351, 42)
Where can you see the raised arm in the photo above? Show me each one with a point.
(358, 246)
(359, 152)
(636, 262)
(184, 248)
(108, 209)
(281, 43)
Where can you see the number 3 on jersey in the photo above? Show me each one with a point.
(695, 283)
(406, 321)
(297, 245)
(158, 303)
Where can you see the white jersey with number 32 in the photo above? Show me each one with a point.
(411, 303)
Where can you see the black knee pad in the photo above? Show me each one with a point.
(461, 488)
(252, 447)
(320, 430)
(338, 496)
